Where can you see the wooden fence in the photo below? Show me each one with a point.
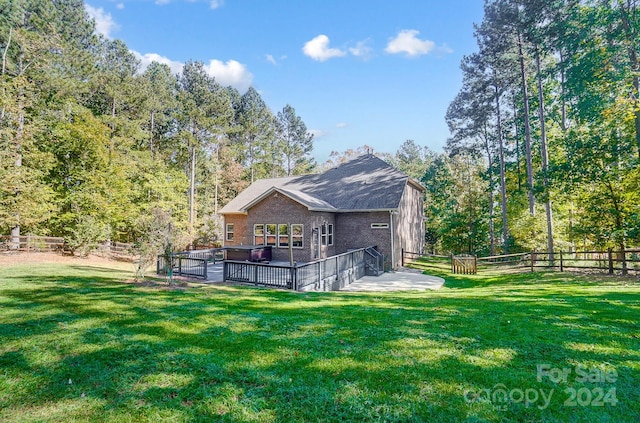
(31, 243)
(609, 261)
(464, 265)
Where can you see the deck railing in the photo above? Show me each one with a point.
(189, 263)
(329, 274)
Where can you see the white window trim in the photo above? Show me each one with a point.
(330, 235)
(274, 235)
(229, 232)
(286, 245)
(301, 236)
(264, 238)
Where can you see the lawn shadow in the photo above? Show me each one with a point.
(229, 353)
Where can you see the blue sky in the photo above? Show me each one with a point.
(358, 72)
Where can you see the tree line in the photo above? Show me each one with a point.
(92, 146)
(545, 132)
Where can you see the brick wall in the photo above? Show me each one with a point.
(279, 209)
(240, 236)
(353, 230)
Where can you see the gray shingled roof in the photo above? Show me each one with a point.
(364, 183)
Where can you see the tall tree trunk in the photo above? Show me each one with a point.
(15, 231)
(503, 179)
(563, 101)
(545, 161)
(192, 192)
(4, 69)
(527, 128)
(515, 132)
(217, 182)
(492, 235)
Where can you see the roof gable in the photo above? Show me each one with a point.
(362, 184)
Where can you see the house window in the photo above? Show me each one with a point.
(297, 235)
(326, 234)
(258, 234)
(379, 226)
(229, 236)
(278, 235)
(270, 230)
(283, 236)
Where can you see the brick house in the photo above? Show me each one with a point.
(363, 202)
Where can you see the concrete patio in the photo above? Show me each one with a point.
(401, 280)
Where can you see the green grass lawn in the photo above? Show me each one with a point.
(77, 344)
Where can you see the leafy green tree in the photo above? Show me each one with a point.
(455, 204)
(296, 142)
(160, 87)
(254, 136)
(204, 115)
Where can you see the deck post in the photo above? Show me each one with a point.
(294, 281)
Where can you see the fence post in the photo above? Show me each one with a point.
(475, 264)
(610, 253)
(532, 259)
(402, 257)
(179, 265)
(206, 268)
(561, 264)
(452, 266)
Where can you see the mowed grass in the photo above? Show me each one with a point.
(78, 344)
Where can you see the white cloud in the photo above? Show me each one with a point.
(407, 42)
(214, 4)
(318, 49)
(161, 2)
(104, 22)
(230, 73)
(120, 6)
(361, 49)
(271, 59)
(147, 58)
(341, 125)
